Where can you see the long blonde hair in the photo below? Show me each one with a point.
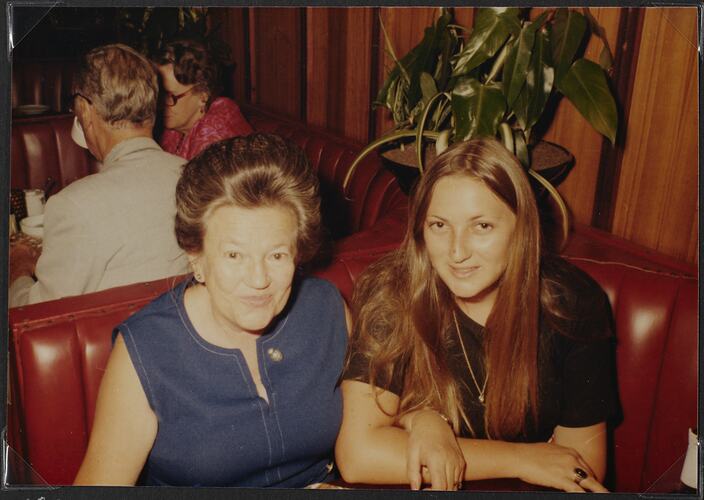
(402, 310)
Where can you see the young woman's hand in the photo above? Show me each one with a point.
(555, 466)
(433, 456)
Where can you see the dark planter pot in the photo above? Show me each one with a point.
(550, 160)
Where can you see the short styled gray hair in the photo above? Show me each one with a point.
(120, 83)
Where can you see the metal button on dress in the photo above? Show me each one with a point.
(274, 354)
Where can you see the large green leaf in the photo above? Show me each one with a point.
(531, 101)
(606, 59)
(427, 86)
(422, 58)
(517, 62)
(586, 87)
(492, 27)
(477, 108)
(426, 55)
(443, 69)
(566, 36)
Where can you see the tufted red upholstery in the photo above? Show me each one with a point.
(372, 193)
(59, 349)
(58, 352)
(42, 149)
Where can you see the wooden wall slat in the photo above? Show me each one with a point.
(572, 131)
(234, 31)
(276, 45)
(339, 66)
(625, 56)
(329, 68)
(656, 203)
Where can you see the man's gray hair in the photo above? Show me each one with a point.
(120, 83)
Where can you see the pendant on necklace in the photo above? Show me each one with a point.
(481, 398)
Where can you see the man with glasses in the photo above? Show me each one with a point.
(117, 226)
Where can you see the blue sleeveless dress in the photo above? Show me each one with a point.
(214, 429)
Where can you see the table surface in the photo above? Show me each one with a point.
(20, 237)
(502, 484)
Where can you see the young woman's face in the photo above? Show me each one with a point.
(467, 233)
(188, 108)
(248, 262)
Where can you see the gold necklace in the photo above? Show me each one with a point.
(469, 365)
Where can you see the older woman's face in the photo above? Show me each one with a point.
(467, 234)
(248, 262)
(188, 108)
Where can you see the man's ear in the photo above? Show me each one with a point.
(86, 115)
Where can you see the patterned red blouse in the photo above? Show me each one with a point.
(222, 121)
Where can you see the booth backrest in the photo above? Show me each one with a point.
(42, 151)
(59, 349)
(372, 193)
(45, 82)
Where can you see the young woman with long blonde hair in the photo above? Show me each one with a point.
(470, 324)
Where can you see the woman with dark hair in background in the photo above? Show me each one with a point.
(194, 114)
(470, 324)
(231, 378)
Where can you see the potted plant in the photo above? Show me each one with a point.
(496, 80)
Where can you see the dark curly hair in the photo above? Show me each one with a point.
(259, 170)
(194, 63)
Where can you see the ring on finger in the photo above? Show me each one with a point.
(580, 475)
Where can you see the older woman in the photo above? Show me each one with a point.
(230, 379)
(468, 323)
(194, 115)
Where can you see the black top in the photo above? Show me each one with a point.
(577, 384)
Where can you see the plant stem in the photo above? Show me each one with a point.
(372, 146)
(565, 214)
(421, 128)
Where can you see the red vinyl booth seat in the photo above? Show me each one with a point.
(58, 352)
(42, 151)
(58, 349)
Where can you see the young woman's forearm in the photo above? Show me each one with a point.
(487, 459)
(374, 456)
(545, 464)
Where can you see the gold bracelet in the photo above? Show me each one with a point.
(439, 414)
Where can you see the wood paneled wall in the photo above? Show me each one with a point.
(325, 66)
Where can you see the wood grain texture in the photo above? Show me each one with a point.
(656, 204)
(625, 56)
(233, 30)
(572, 131)
(338, 70)
(327, 64)
(276, 45)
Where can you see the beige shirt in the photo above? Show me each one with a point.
(108, 229)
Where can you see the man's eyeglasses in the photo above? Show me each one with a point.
(73, 100)
(171, 99)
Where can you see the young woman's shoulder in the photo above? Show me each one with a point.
(573, 300)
